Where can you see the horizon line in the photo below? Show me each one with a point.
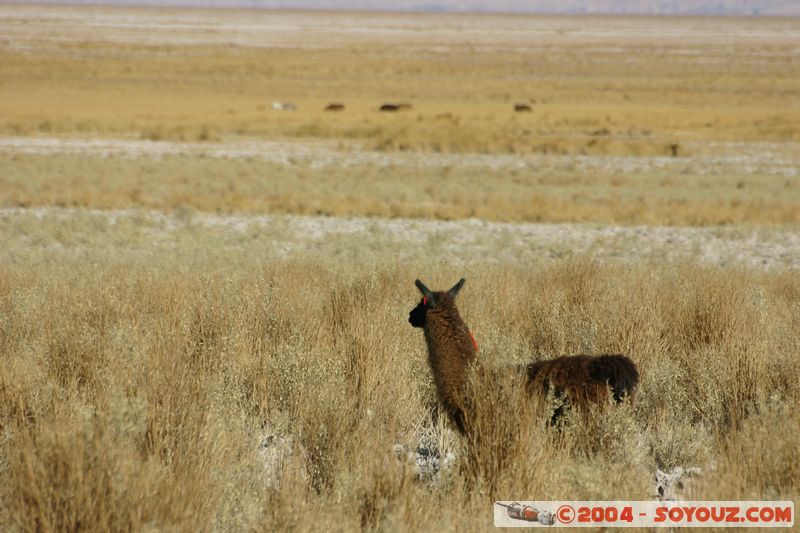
(221, 4)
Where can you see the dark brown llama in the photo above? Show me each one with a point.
(581, 380)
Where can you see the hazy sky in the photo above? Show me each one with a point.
(653, 7)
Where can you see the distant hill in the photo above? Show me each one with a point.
(573, 7)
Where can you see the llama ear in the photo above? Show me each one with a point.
(457, 287)
(426, 292)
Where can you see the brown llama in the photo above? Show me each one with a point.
(578, 379)
(395, 107)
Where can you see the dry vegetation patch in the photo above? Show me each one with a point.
(32, 235)
(733, 184)
(139, 394)
(634, 121)
(596, 85)
(203, 299)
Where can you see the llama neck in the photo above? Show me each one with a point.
(450, 351)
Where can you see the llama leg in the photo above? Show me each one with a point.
(458, 418)
(561, 403)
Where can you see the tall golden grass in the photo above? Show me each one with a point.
(135, 394)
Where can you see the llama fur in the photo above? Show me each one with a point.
(451, 351)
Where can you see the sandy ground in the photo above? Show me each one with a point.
(463, 241)
(320, 29)
(704, 159)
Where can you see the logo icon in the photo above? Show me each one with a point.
(526, 513)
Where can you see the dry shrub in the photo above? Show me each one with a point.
(759, 461)
(139, 395)
(508, 436)
(427, 135)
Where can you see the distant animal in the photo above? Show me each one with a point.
(334, 107)
(673, 149)
(580, 379)
(395, 107)
(522, 108)
(283, 106)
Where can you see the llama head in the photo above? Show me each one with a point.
(431, 300)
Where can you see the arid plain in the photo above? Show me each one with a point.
(204, 298)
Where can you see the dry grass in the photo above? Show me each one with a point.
(621, 86)
(30, 236)
(135, 392)
(682, 121)
(691, 192)
(187, 371)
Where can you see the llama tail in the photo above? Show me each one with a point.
(618, 371)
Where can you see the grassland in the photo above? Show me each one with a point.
(598, 85)
(664, 93)
(139, 380)
(298, 178)
(203, 300)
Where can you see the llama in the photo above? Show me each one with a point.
(451, 350)
(395, 107)
(578, 379)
